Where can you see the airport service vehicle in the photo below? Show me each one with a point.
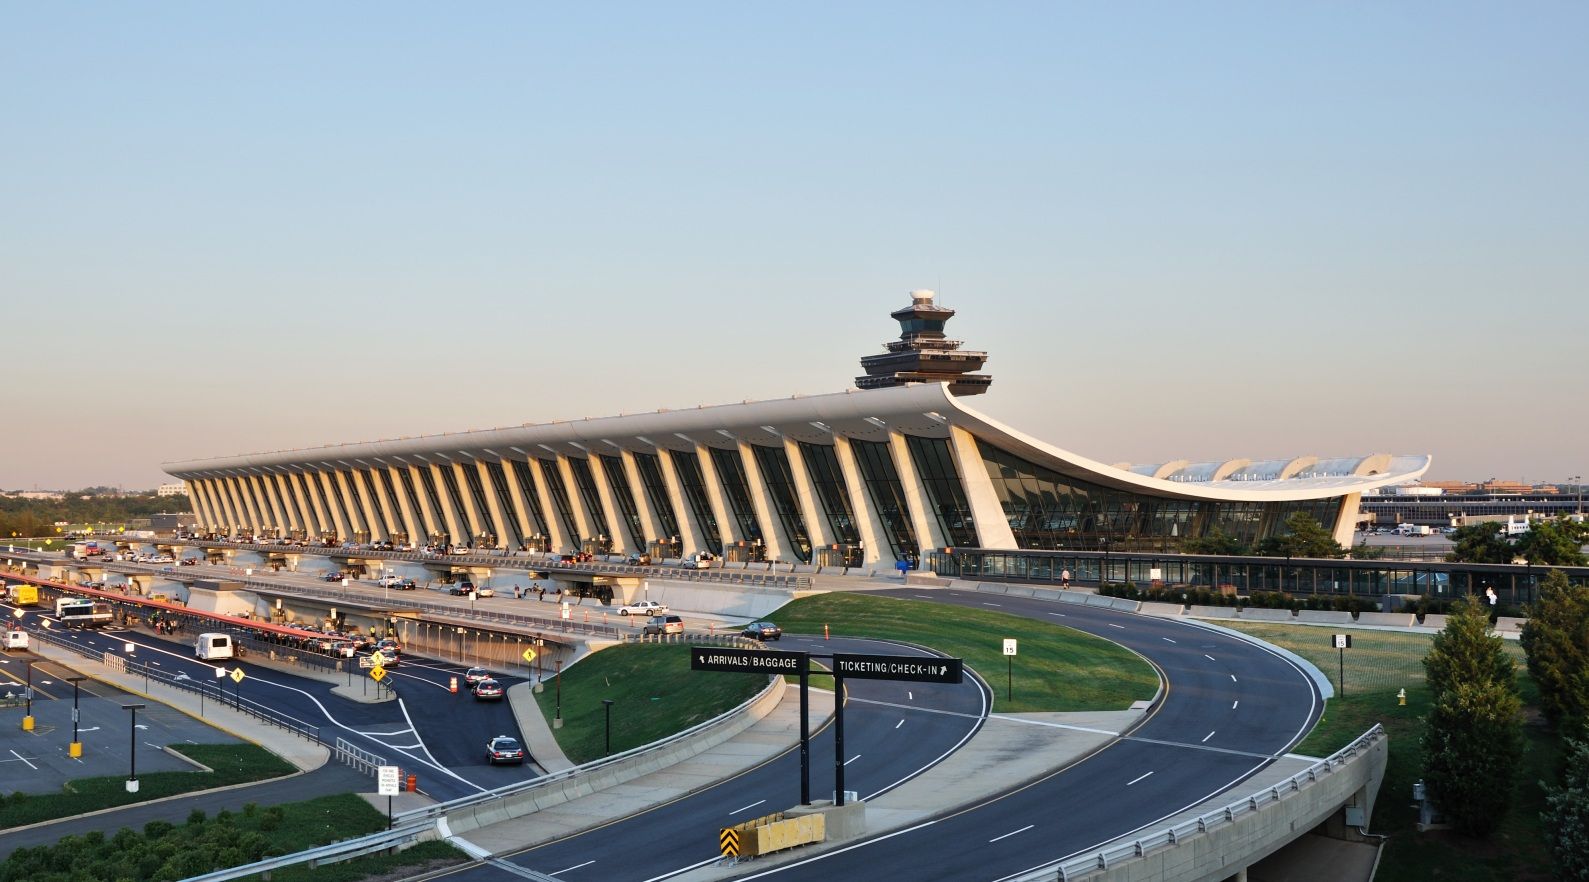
(643, 608)
(488, 690)
(1412, 530)
(86, 550)
(213, 646)
(503, 749)
(25, 595)
(83, 613)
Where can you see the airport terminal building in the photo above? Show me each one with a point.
(885, 472)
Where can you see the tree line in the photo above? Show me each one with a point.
(1553, 542)
(94, 505)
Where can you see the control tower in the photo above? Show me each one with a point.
(922, 354)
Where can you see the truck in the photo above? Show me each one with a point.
(25, 595)
(86, 550)
(1413, 530)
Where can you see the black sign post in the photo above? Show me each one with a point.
(733, 660)
(1342, 642)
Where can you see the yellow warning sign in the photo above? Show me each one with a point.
(529, 656)
(728, 841)
(377, 673)
(237, 675)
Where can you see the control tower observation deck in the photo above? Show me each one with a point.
(922, 354)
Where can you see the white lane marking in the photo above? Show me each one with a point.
(734, 812)
(695, 866)
(24, 759)
(574, 867)
(911, 696)
(928, 596)
(1166, 640)
(1233, 678)
(1012, 833)
(985, 603)
(1234, 703)
(1209, 657)
(1206, 737)
(898, 724)
(852, 759)
(1061, 615)
(1136, 779)
(1113, 625)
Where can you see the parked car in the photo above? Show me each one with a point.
(488, 690)
(643, 608)
(483, 591)
(664, 625)
(475, 675)
(763, 631)
(503, 749)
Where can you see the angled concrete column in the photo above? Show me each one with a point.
(348, 504)
(384, 513)
(256, 501)
(314, 516)
(1346, 518)
(576, 502)
(239, 504)
(230, 502)
(691, 538)
(501, 521)
(473, 518)
(727, 524)
(993, 526)
(923, 517)
(650, 520)
(413, 524)
(811, 511)
(457, 527)
(369, 504)
(622, 542)
(342, 523)
(201, 504)
(867, 521)
(521, 506)
(277, 510)
(560, 540)
(311, 480)
(777, 542)
(291, 518)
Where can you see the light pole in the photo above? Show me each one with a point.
(557, 721)
(75, 751)
(27, 694)
(132, 747)
(606, 706)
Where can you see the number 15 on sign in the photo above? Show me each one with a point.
(1009, 668)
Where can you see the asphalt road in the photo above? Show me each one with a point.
(893, 732)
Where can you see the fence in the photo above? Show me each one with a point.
(1088, 864)
(325, 854)
(350, 754)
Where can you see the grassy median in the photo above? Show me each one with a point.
(233, 764)
(1379, 664)
(654, 695)
(1057, 668)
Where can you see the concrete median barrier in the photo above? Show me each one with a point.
(1212, 612)
(1324, 617)
(1163, 610)
(1386, 620)
(1254, 614)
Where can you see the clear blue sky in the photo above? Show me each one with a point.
(1182, 230)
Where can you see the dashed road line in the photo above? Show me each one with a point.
(743, 807)
(1206, 737)
(1012, 833)
(1136, 779)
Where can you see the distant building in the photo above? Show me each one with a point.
(175, 488)
(37, 494)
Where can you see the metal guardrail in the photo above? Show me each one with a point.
(1083, 865)
(440, 809)
(325, 854)
(350, 754)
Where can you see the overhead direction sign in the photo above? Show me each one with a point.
(751, 661)
(918, 668)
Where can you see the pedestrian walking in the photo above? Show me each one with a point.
(1064, 578)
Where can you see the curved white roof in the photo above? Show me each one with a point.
(925, 409)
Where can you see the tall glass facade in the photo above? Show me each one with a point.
(428, 481)
(407, 479)
(775, 472)
(1047, 510)
(694, 484)
(731, 471)
(585, 480)
(618, 484)
(471, 476)
(450, 481)
(935, 465)
(888, 497)
(822, 465)
(532, 498)
(559, 493)
(510, 520)
(650, 468)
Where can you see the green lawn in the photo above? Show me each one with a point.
(654, 695)
(1058, 668)
(1378, 664)
(233, 764)
(164, 851)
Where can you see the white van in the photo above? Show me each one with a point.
(212, 646)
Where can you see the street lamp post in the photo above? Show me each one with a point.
(557, 720)
(75, 751)
(27, 694)
(132, 747)
(606, 706)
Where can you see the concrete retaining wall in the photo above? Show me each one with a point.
(1389, 620)
(584, 783)
(722, 600)
(1212, 612)
(1436, 622)
(1254, 614)
(1151, 608)
(1324, 617)
(1228, 845)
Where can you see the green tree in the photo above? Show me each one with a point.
(1557, 542)
(1216, 542)
(1556, 641)
(1473, 738)
(1480, 543)
(1466, 652)
(1303, 536)
(1566, 814)
(1472, 746)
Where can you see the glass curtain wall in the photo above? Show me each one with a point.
(428, 481)
(618, 484)
(559, 493)
(731, 469)
(585, 479)
(822, 465)
(947, 493)
(510, 520)
(775, 471)
(650, 468)
(532, 498)
(471, 476)
(450, 481)
(888, 496)
(694, 484)
(407, 479)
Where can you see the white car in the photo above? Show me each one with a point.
(484, 592)
(642, 608)
(387, 581)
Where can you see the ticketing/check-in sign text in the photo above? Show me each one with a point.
(921, 669)
(750, 661)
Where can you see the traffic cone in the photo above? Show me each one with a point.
(452, 685)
